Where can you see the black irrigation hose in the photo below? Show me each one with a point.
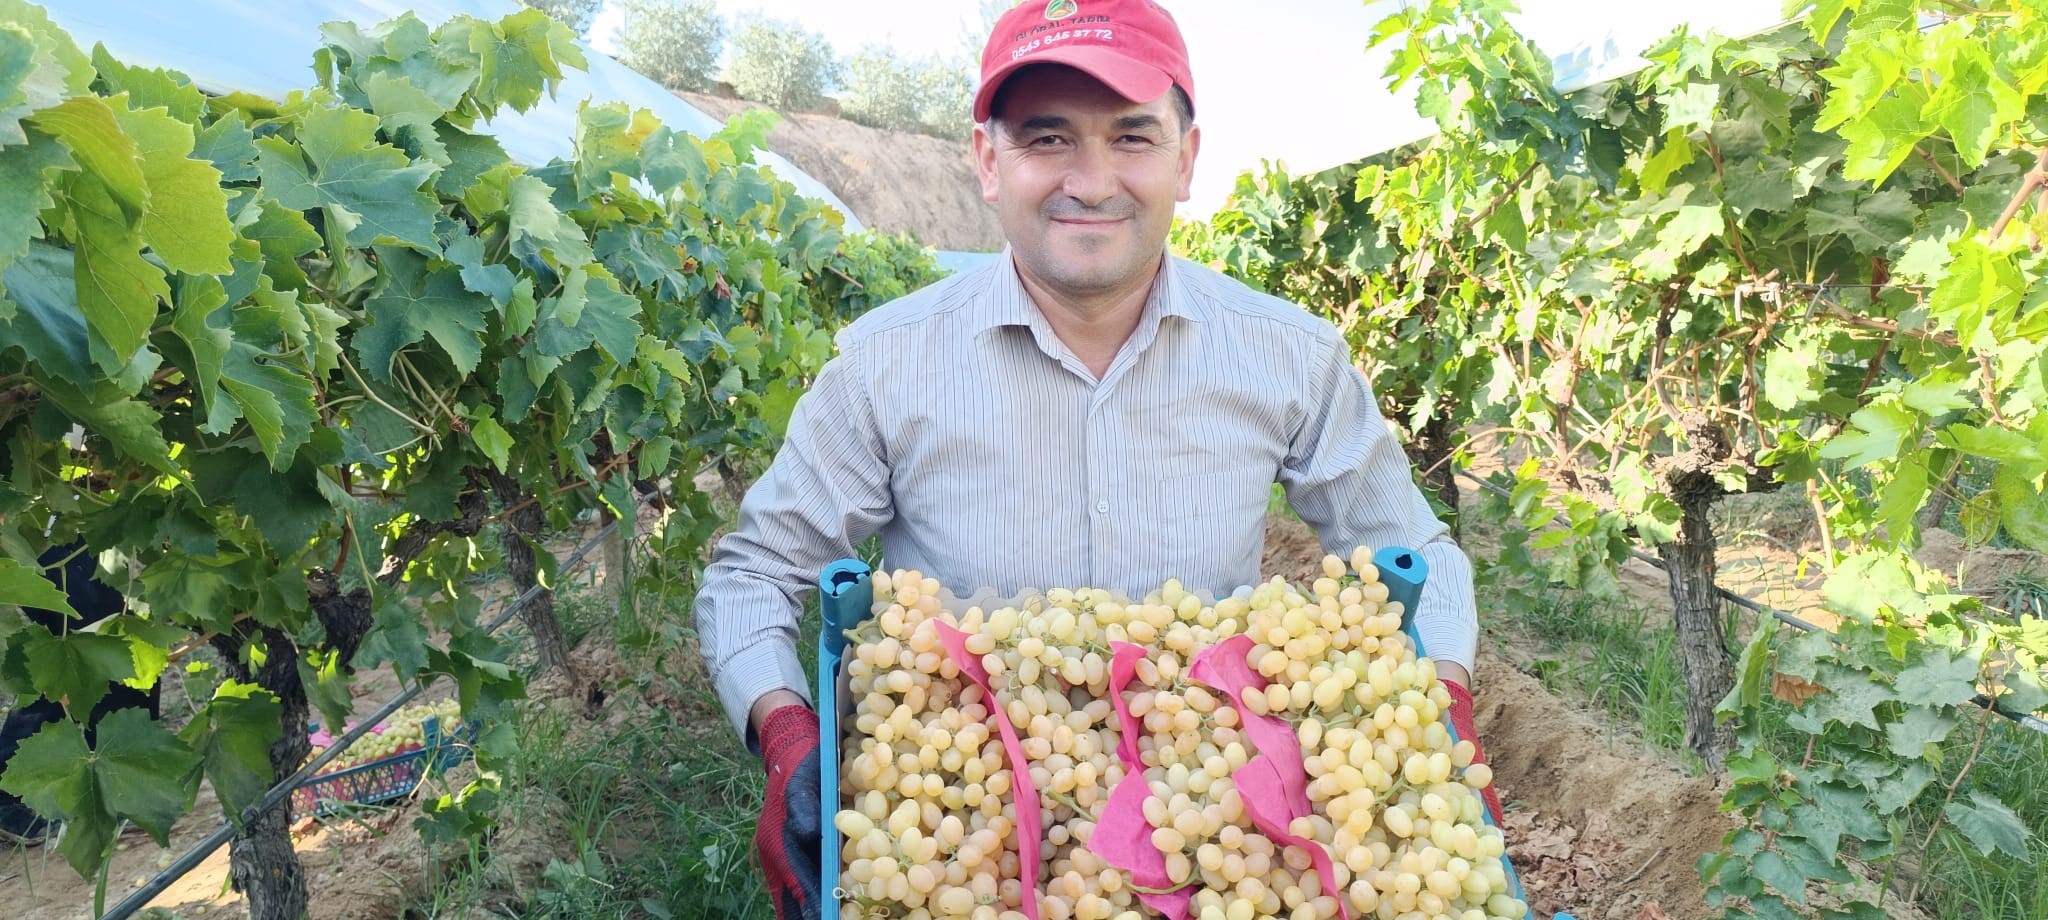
(2024, 719)
(191, 859)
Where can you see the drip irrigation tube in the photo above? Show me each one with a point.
(2024, 719)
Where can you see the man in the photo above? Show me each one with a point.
(1084, 411)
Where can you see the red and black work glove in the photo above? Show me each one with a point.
(1461, 720)
(787, 838)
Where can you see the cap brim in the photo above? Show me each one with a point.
(1127, 78)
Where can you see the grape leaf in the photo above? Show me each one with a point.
(1900, 789)
(25, 177)
(413, 302)
(230, 146)
(1691, 106)
(1981, 284)
(1990, 825)
(75, 668)
(193, 589)
(144, 772)
(469, 157)
(44, 772)
(1870, 222)
(406, 110)
(276, 402)
(1882, 138)
(282, 235)
(521, 57)
(491, 438)
(1901, 497)
(398, 638)
(118, 290)
(1851, 697)
(48, 326)
(286, 506)
(1673, 155)
(87, 126)
(2023, 507)
(132, 427)
(233, 736)
(1761, 184)
(1792, 372)
(673, 158)
(371, 189)
(1918, 728)
(275, 397)
(30, 79)
(1876, 433)
(2004, 445)
(148, 88)
(26, 587)
(591, 308)
(208, 345)
(1941, 678)
(403, 47)
(535, 221)
(1772, 870)
(185, 221)
(1938, 393)
(489, 278)
(326, 683)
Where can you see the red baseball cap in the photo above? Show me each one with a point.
(1133, 46)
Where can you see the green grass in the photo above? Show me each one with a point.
(1609, 656)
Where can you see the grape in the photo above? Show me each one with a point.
(929, 816)
(404, 732)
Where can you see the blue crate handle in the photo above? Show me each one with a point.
(1403, 571)
(846, 595)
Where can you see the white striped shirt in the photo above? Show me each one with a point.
(954, 423)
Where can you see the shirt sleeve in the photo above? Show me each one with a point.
(1351, 482)
(826, 491)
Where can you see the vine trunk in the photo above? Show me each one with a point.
(262, 863)
(524, 523)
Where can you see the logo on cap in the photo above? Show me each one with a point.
(1060, 9)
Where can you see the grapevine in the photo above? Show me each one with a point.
(1807, 260)
(295, 370)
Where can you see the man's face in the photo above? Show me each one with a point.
(1084, 180)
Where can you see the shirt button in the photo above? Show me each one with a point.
(1102, 507)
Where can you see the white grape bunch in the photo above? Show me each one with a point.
(929, 797)
(403, 733)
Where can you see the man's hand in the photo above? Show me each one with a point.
(787, 838)
(1461, 719)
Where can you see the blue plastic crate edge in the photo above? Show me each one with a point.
(846, 596)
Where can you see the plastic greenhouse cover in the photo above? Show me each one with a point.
(266, 47)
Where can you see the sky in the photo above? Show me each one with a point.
(1286, 80)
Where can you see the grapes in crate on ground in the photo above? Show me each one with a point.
(387, 763)
(404, 732)
(1276, 752)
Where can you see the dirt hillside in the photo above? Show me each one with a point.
(900, 183)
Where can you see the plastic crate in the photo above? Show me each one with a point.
(386, 778)
(846, 598)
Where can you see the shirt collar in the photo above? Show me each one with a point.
(1009, 304)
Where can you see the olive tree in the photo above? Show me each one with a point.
(674, 42)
